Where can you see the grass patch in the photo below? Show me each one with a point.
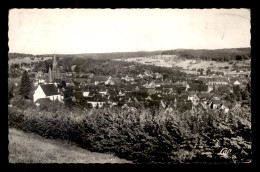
(31, 148)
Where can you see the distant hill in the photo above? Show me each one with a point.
(18, 55)
(218, 54)
(115, 55)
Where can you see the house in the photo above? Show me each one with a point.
(217, 97)
(158, 89)
(205, 96)
(67, 81)
(90, 75)
(194, 98)
(129, 88)
(158, 75)
(103, 90)
(50, 91)
(97, 101)
(225, 89)
(81, 81)
(128, 78)
(121, 93)
(179, 83)
(41, 101)
(129, 106)
(168, 106)
(186, 105)
(184, 97)
(197, 87)
(218, 81)
(148, 98)
(237, 83)
(140, 76)
(167, 88)
(148, 72)
(90, 90)
(158, 83)
(151, 90)
(151, 85)
(112, 81)
(226, 106)
(215, 104)
(191, 95)
(136, 89)
(99, 80)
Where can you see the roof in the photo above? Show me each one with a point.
(79, 80)
(180, 83)
(116, 80)
(43, 100)
(100, 79)
(151, 85)
(236, 83)
(129, 87)
(49, 89)
(206, 95)
(199, 87)
(218, 80)
(216, 102)
(187, 105)
(90, 80)
(158, 88)
(97, 98)
(67, 80)
(151, 90)
(184, 97)
(227, 104)
(191, 93)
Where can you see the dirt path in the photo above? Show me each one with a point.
(31, 148)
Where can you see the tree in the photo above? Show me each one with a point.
(25, 86)
(208, 71)
(68, 93)
(246, 95)
(63, 84)
(248, 87)
(10, 93)
(237, 92)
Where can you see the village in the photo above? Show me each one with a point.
(148, 89)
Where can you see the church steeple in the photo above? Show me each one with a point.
(50, 75)
(54, 64)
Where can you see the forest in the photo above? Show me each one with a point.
(216, 55)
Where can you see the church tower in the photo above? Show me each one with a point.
(54, 64)
(50, 75)
(55, 70)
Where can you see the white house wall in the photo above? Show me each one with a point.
(38, 94)
(55, 97)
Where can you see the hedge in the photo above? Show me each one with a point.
(144, 136)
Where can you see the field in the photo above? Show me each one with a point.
(185, 64)
(31, 148)
(26, 60)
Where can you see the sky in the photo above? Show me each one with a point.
(73, 31)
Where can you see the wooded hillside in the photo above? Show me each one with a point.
(218, 54)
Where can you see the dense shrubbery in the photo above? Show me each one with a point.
(145, 136)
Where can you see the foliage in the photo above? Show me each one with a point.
(25, 86)
(146, 136)
(10, 92)
(216, 55)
